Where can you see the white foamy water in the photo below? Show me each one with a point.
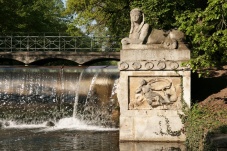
(63, 124)
(76, 124)
(12, 124)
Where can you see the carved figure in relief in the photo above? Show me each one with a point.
(141, 33)
(156, 92)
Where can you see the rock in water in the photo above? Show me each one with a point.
(50, 124)
(7, 123)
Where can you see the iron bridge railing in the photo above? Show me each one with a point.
(48, 42)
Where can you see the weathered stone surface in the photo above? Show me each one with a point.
(154, 86)
(141, 35)
(155, 54)
(152, 65)
(155, 92)
(151, 128)
(147, 123)
(153, 123)
(139, 31)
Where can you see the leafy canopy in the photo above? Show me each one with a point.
(207, 33)
(31, 16)
(112, 17)
(162, 13)
(100, 17)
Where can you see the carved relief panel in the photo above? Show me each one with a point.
(155, 93)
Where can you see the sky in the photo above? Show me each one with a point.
(64, 1)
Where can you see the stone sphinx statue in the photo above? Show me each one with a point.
(139, 30)
(141, 33)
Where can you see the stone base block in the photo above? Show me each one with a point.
(157, 126)
(158, 54)
(151, 104)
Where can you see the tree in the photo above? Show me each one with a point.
(31, 16)
(162, 13)
(100, 17)
(207, 33)
(112, 17)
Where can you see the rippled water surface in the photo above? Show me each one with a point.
(15, 139)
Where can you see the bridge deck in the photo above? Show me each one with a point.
(58, 43)
(29, 48)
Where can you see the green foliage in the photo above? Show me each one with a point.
(31, 16)
(201, 123)
(162, 13)
(112, 17)
(207, 34)
(100, 17)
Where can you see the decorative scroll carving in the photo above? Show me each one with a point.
(161, 65)
(153, 93)
(174, 65)
(152, 65)
(149, 65)
(136, 65)
(124, 66)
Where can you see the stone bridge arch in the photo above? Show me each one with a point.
(78, 57)
(10, 61)
(93, 61)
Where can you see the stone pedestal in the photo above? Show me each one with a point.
(153, 89)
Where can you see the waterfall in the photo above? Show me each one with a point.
(77, 94)
(91, 87)
(34, 95)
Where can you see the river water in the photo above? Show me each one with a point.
(81, 103)
(78, 100)
(58, 140)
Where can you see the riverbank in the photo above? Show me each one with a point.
(206, 122)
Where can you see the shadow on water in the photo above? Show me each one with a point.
(151, 146)
(216, 140)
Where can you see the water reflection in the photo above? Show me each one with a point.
(36, 140)
(151, 146)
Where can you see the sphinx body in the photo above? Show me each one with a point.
(142, 34)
